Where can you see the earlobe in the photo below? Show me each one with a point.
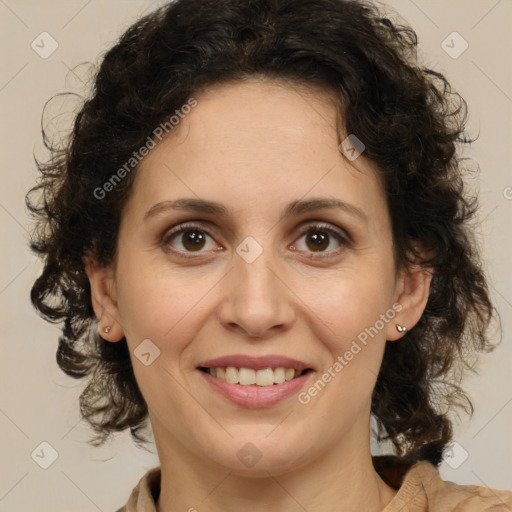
(104, 299)
(413, 293)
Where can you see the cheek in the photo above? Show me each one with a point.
(347, 305)
(159, 302)
(353, 311)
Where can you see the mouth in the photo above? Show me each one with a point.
(255, 382)
(250, 376)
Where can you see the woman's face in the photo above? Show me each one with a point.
(264, 283)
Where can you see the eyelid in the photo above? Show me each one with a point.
(327, 226)
(340, 234)
(181, 228)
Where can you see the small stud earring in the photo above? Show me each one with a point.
(106, 329)
(401, 328)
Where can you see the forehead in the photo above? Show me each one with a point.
(255, 143)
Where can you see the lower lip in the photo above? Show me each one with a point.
(253, 396)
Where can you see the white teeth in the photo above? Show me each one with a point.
(246, 376)
(289, 373)
(232, 375)
(265, 377)
(279, 375)
(249, 376)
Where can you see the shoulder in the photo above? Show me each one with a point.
(467, 498)
(145, 494)
(423, 489)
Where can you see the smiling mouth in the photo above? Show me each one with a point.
(249, 376)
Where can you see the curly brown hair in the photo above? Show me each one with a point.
(407, 116)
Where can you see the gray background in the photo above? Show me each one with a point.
(38, 403)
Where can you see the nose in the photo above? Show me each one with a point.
(257, 301)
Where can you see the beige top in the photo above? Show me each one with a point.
(421, 490)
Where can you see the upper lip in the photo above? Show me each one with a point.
(255, 362)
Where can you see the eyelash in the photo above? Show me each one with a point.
(341, 236)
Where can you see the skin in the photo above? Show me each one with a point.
(255, 146)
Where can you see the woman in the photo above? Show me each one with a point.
(258, 239)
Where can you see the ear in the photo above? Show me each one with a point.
(413, 287)
(104, 301)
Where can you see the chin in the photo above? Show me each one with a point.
(261, 454)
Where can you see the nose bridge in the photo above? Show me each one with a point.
(256, 300)
(255, 279)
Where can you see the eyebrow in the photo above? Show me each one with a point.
(297, 207)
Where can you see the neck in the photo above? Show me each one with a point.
(342, 480)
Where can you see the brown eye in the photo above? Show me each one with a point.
(193, 240)
(317, 241)
(319, 237)
(187, 239)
